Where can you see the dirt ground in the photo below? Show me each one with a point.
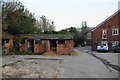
(32, 68)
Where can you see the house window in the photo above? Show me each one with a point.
(115, 31)
(38, 41)
(115, 43)
(104, 42)
(61, 41)
(104, 34)
(6, 41)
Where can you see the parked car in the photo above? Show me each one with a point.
(117, 48)
(102, 47)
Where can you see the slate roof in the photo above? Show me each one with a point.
(51, 36)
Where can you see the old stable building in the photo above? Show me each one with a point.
(40, 43)
(7, 43)
(107, 32)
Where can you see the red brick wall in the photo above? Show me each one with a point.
(38, 48)
(46, 45)
(69, 45)
(24, 47)
(9, 45)
(43, 47)
(97, 33)
(119, 25)
(61, 48)
(65, 48)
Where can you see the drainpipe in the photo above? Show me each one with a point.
(119, 21)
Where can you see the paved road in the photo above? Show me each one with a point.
(110, 56)
(110, 59)
(0, 69)
(86, 66)
(83, 49)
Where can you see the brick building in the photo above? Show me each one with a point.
(7, 42)
(40, 43)
(107, 32)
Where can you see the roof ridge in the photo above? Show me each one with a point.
(106, 20)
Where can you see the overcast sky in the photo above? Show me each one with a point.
(67, 13)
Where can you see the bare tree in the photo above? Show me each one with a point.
(43, 24)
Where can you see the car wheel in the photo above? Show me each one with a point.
(114, 51)
(98, 51)
(107, 51)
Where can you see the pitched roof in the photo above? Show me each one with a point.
(105, 20)
(51, 36)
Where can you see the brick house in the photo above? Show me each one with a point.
(40, 43)
(107, 32)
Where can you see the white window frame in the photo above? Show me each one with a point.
(104, 42)
(104, 32)
(114, 43)
(116, 31)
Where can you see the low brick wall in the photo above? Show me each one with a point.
(46, 45)
(9, 45)
(24, 47)
(65, 48)
(38, 48)
(61, 49)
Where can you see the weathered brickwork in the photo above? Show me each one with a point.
(66, 48)
(9, 45)
(24, 47)
(41, 43)
(46, 45)
(38, 48)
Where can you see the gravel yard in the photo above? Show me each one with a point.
(29, 67)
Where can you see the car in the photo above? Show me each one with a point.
(116, 48)
(102, 47)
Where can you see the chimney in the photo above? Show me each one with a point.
(119, 5)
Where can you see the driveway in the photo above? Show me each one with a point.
(109, 59)
(86, 66)
(110, 56)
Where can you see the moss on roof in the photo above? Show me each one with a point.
(51, 36)
(7, 36)
(25, 36)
